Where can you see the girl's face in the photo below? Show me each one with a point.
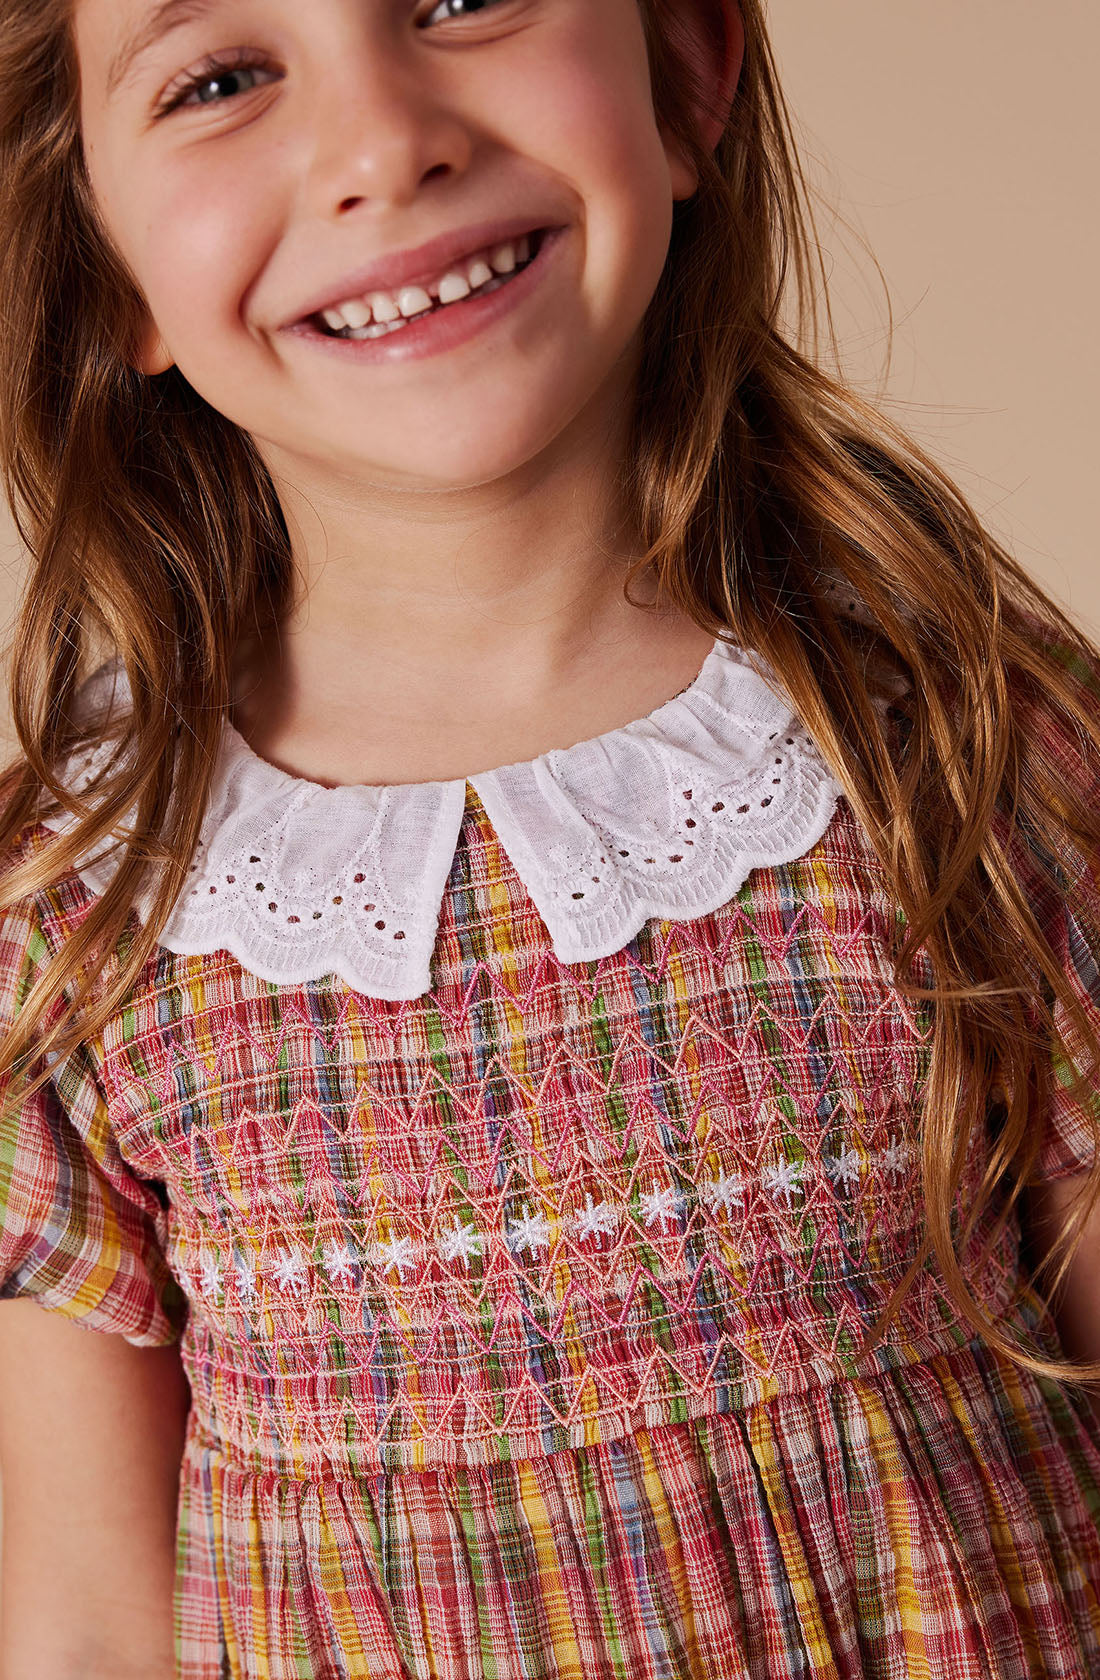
(255, 160)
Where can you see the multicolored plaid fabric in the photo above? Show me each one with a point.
(525, 1321)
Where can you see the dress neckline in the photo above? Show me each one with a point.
(664, 816)
(240, 747)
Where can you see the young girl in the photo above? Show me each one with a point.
(550, 906)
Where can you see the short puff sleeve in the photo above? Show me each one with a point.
(80, 1233)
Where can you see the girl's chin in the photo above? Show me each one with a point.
(457, 463)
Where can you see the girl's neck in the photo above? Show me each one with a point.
(337, 702)
(437, 634)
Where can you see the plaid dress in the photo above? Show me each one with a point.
(525, 1320)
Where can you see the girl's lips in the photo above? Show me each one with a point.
(442, 329)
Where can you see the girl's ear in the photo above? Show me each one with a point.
(151, 354)
(709, 35)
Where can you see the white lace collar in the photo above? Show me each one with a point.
(665, 817)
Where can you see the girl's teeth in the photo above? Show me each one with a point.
(383, 306)
(413, 300)
(367, 317)
(453, 287)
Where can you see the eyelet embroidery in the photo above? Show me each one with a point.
(664, 817)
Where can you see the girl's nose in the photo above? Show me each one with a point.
(380, 132)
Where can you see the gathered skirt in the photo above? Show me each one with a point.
(941, 1519)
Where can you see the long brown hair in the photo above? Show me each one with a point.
(760, 486)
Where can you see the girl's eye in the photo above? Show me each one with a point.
(217, 83)
(457, 8)
(221, 80)
(225, 85)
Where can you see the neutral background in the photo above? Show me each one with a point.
(959, 139)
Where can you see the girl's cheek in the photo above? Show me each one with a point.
(579, 88)
(204, 239)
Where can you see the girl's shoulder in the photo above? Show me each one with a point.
(45, 893)
(1054, 693)
(40, 909)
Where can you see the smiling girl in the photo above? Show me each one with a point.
(550, 919)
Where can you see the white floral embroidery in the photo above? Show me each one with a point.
(784, 1181)
(245, 1273)
(897, 1158)
(398, 1254)
(530, 1232)
(340, 1263)
(460, 1243)
(598, 1219)
(843, 1168)
(661, 1207)
(723, 1192)
(290, 1273)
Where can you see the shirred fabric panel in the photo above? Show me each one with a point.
(545, 1204)
(79, 1232)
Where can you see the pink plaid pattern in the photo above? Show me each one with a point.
(525, 1320)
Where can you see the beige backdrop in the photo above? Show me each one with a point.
(960, 139)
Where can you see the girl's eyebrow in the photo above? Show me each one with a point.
(169, 15)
